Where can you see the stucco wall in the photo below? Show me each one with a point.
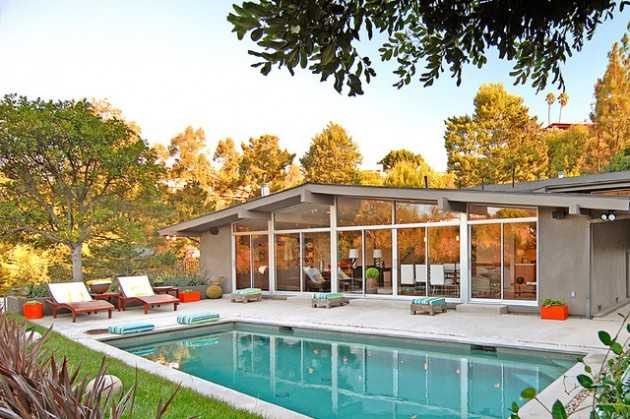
(216, 256)
(564, 260)
(610, 244)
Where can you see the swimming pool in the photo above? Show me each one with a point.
(333, 375)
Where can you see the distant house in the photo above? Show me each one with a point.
(565, 238)
(567, 125)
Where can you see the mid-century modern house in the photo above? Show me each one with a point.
(514, 245)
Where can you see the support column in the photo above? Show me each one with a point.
(464, 259)
(272, 255)
(334, 281)
(394, 261)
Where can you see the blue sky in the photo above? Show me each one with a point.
(170, 64)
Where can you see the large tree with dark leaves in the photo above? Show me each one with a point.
(423, 37)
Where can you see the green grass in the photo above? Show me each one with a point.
(151, 388)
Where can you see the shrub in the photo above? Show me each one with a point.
(551, 302)
(372, 273)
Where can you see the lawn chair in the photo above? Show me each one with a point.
(138, 289)
(75, 297)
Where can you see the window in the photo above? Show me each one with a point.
(288, 262)
(350, 261)
(519, 261)
(243, 262)
(378, 256)
(443, 250)
(302, 216)
(485, 260)
(479, 212)
(252, 261)
(251, 224)
(357, 212)
(412, 265)
(414, 212)
(316, 262)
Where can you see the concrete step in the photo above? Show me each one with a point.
(482, 308)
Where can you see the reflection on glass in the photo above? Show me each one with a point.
(253, 224)
(444, 261)
(378, 254)
(480, 212)
(412, 265)
(305, 215)
(316, 262)
(288, 262)
(243, 262)
(354, 211)
(519, 261)
(414, 212)
(485, 248)
(260, 259)
(350, 262)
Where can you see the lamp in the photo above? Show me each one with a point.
(378, 253)
(353, 254)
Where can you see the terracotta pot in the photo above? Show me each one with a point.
(189, 297)
(215, 291)
(33, 311)
(554, 312)
(100, 288)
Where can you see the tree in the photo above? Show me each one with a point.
(620, 162)
(499, 143)
(550, 99)
(332, 157)
(565, 150)
(563, 99)
(411, 175)
(72, 177)
(324, 36)
(395, 156)
(611, 114)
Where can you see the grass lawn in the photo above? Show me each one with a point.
(151, 388)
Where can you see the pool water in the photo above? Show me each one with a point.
(332, 375)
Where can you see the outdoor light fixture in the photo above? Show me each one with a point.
(608, 216)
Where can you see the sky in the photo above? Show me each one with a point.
(168, 65)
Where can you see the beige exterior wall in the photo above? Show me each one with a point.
(563, 251)
(216, 256)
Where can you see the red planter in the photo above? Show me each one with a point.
(189, 297)
(33, 311)
(554, 312)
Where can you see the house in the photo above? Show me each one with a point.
(565, 238)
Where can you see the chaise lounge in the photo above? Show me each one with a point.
(138, 289)
(74, 296)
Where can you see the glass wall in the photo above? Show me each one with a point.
(485, 260)
(316, 261)
(360, 212)
(412, 265)
(260, 261)
(243, 262)
(288, 262)
(480, 212)
(378, 262)
(350, 261)
(253, 224)
(444, 267)
(414, 212)
(302, 216)
(519, 261)
(252, 261)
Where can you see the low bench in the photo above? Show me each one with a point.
(247, 295)
(429, 305)
(328, 300)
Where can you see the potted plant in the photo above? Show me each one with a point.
(18, 297)
(33, 310)
(189, 296)
(372, 274)
(553, 309)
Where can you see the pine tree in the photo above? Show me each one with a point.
(611, 114)
(499, 143)
(332, 157)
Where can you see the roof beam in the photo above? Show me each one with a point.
(244, 214)
(446, 205)
(307, 196)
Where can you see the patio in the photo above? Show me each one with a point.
(377, 317)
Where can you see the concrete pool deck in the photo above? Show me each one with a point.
(369, 316)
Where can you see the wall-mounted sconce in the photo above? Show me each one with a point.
(608, 216)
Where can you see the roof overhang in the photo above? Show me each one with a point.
(446, 199)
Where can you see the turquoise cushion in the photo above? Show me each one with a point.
(434, 301)
(327, 295)
(126, 329)
(197, 318)
(248, 291)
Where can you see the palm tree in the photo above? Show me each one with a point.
(550, 99)
(563, 99)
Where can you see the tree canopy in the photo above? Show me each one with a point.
(332, 157)
(396, 156)
(70, 176)
(423, 38)
(499, 143)
(565, 150)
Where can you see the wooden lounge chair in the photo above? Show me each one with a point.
(328, 300)
(75, 297)
(429, 305)
(138, 289)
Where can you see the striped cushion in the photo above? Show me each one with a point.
(248, 291)
(327, 296)
(126, 329)
(197, 318)
(434, 301)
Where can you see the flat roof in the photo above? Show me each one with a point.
(444, 198)
(594, 182)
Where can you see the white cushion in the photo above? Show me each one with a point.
(69, 292)
(136, 286)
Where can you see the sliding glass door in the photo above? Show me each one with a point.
(252, 261)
